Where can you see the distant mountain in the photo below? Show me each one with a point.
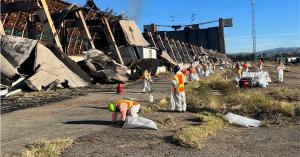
(272, 52)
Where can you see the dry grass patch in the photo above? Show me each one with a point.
(257, 103)
(254, 102)
(194, 136)
(285, 94)
(150, 108)
(48, 148)
(169, 121)
(165, 103)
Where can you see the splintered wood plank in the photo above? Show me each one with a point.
(46, 19)
(170, 49)
(86, 31)
(176, 50)
(109, 35)
(150, 39)
(180, 51)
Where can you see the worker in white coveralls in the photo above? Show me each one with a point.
(147, 79)
(211, 68)
(193, 74)
(280, 69)
(205, 69)
(178, 99)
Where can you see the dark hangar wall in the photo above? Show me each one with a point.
(209, 38)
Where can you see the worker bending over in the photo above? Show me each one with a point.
(124, 107)
(178, 99)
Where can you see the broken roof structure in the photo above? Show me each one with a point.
(41, 66)
(57, 31)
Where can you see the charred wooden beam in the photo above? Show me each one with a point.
(191, 51)
(170, 48)
(90, 23)
(160, 43)
(62, 16)
(150, 39)
(25, 6)
(179, 58)
(31, 28)
(186, 52)
(180, 50)
(85, 31)
(48, 25)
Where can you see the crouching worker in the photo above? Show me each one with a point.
(124, 107)
(178, 99)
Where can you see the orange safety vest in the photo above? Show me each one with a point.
(179, 78)
(129, 103)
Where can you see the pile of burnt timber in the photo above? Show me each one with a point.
(48, 44)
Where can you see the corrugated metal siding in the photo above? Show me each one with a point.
(207, 38)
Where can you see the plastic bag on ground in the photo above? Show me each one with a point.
(242, 121)
(139, 122)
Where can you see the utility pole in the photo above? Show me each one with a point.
(253, 3)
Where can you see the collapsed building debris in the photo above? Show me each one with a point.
(102, 68)
(53, 43)
(38, 64)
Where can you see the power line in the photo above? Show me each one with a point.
(202, 23)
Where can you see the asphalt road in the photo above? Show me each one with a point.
(74, 117)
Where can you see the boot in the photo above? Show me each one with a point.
(116, 124)
(122, 123)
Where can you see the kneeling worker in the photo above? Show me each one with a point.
(124, 106)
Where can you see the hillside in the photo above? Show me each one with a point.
(272, 52)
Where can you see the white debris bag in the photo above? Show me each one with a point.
(3, 92)
(262, 78)
(139, 122)
(242, 121)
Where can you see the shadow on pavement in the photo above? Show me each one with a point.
(90, 122)
(95, 107)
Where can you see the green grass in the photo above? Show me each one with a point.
(47, 148)
(194, 136)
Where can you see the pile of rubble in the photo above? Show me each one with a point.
(48, 44)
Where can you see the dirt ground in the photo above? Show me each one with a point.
(85, 118)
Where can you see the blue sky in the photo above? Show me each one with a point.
(278, 21)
